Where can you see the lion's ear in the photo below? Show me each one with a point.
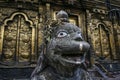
(40, 64)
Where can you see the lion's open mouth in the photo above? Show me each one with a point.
(75, 58)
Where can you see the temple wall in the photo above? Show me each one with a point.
(22, 23)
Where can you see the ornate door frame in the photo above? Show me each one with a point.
(101, 26)
(95, 26)
(31, 25)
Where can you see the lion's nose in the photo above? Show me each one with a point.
(78, 37)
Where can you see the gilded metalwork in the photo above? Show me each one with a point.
(101, 38)
(18, 39)
(0, 40)
(101, 42)
(116, 33)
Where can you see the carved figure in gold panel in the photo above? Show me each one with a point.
(25, 40)
(9, 40)
(17, 40)
(101, 41)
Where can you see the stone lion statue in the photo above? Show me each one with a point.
(64, 55)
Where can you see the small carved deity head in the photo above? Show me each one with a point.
(63, 16)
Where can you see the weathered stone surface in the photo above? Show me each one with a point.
(64, 56)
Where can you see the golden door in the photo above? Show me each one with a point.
(17, 41)
(101, 41)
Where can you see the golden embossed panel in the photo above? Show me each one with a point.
(25, 36)
(0, 41)
(17, 40)
(9, 41)
(101, 42)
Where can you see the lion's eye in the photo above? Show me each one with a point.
(62, 34)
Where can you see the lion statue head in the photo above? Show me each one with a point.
(64, 54)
